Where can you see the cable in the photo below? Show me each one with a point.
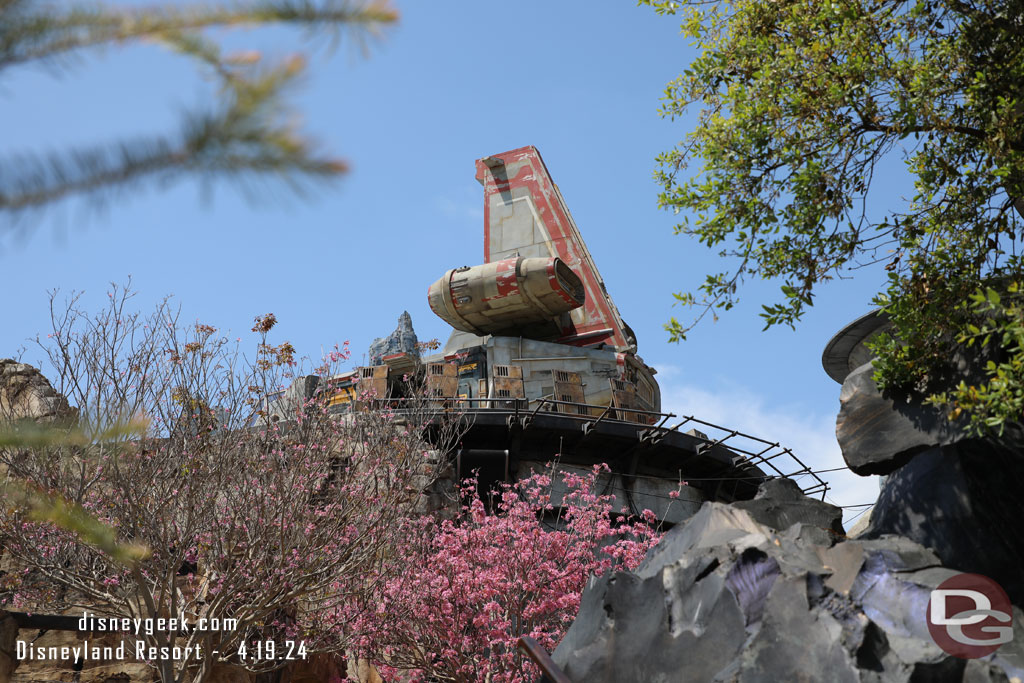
(859, 514)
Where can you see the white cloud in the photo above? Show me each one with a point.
(810, 436)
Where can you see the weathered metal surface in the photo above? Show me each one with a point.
(341, 396)
(402, 363)
(534, 325)
(624, 399)
(847, 351)
(508, 371)
(525, 215)
(373, 380)
(525, 295)
(442, 379)
(569, 387)
(507, 382)
(339, 390)
(538, 376)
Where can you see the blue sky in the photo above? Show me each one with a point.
(450, 83)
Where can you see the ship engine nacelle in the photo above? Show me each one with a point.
(524, 296)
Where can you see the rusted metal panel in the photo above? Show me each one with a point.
(442, 370)
(508, 383)
(509, 371)
(570, 392)
(442, 379)
(373, 379)
(566, 377)
(624, 398)
(569, 387)
(622, 385)
(449, 387)
(509, 387)
(645, 392)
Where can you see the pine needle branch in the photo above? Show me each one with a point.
(47, 507)
(32, 31)
(248, 136)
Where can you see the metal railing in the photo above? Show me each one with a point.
(748, 450)
(549, 670)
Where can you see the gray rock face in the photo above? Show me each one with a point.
(780, 503)
(402, 340)
(879, 434)
(946, 490)
(725, 597)
(963, 501)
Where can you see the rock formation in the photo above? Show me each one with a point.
(770, 592)
(26, 394)
(945, 489)
(402, 340)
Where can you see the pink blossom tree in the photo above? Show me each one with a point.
(260, 530)
(468, 588)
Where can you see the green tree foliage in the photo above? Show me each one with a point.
(246, 134)
(799, 103)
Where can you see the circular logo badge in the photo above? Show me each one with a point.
(969, 616)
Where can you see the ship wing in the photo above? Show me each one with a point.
(525, 215)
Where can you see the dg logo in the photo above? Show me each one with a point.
(969, 616)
